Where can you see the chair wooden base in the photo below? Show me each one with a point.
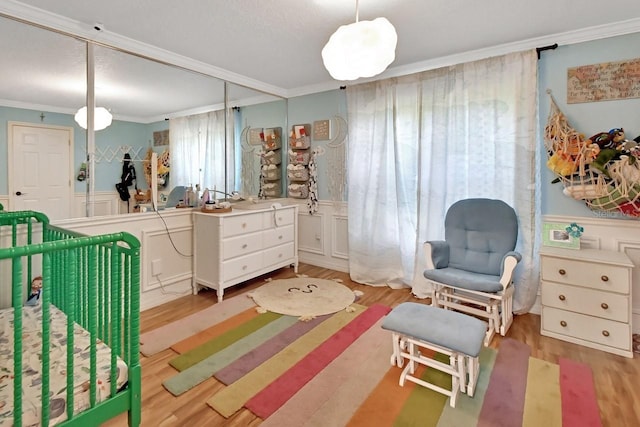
(496, 308)
(463, 369)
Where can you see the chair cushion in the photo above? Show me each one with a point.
(479, 233)
(445, 328)
(465, 279)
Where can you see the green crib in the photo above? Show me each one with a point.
(75, 351)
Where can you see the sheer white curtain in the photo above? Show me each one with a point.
(198, 150)
(421, 142)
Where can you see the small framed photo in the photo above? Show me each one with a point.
(557, 235)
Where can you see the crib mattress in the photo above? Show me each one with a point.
(31, 380)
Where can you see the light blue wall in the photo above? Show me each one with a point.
(587, 118)
(120, 133)
(315, 107)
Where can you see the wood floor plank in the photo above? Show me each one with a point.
(616, 377)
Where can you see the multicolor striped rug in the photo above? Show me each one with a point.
(335, 370)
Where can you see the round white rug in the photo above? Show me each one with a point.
(303, 296)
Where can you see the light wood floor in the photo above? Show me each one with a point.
(617, 379)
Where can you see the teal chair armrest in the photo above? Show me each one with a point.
(437, 254)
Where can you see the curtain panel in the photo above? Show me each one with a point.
(198, 152)
(419, 143)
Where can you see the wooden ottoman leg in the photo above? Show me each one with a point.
(396, 356)
(473, 366)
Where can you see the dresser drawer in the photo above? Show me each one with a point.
(236, 225)
(596, 330)
(241, 266)
(586, 301)
(278, 254)
(277, 236)
(241, 245)
(279, 217)
(589, 275)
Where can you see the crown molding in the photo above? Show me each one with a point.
(567, 38)
(16, 10)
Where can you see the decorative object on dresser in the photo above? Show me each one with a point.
(237, 246)
(561, 235)
(586, 298)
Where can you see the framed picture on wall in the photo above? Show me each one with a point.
(161, 137)
(557, 235)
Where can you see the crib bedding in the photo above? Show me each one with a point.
(32, 348)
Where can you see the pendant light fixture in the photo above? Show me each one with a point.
(361, 49)
(101, 116)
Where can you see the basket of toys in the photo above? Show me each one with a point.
(603, 170)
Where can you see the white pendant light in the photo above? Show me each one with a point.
(101, 118)
(361, 49)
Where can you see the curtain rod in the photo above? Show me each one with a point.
(550, 47)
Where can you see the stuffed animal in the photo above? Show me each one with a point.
(36, 289)
(562, 164)
(611, 139)
(611, 146)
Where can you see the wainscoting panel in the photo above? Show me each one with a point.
(310, 233)
(339, 238)
(104, 203)
(175, 270)
(162, 265)
(322, 237)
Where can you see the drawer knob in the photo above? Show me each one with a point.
(563, 323)
(604, 278)
(280, 237)
(604, 305)
(562, 297)
(244, 246)
(279, 255)
(244, 225)
(562, 272)
(244, 267)
(605, 333)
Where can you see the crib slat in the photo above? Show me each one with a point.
(92, 315)
(46, 341)
(16, 290)
(71, 297)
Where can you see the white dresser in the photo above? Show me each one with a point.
(233, 247)
(586, 298)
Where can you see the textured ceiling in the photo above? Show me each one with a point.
(278, 42)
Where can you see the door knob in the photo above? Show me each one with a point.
(18, 193)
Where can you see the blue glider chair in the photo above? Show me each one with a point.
(472, 269)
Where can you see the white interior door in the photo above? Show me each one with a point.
(40, 169)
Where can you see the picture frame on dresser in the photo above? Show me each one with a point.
(556, 235)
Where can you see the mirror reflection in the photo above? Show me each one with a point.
(175, 115)
(43, 81)
(258, 123)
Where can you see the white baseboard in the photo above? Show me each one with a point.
(165, 294)
(322, 261)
